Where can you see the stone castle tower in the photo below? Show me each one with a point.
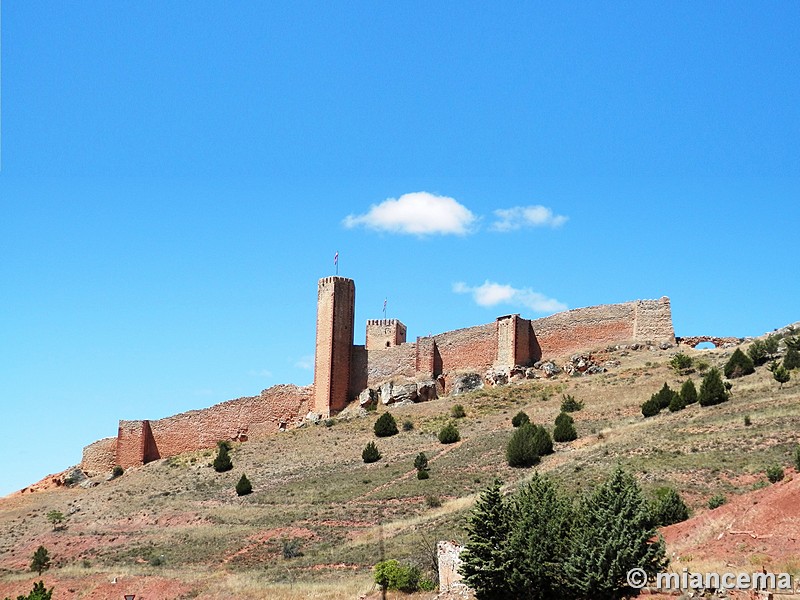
(336, 298)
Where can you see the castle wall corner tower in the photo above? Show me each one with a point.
(336, 299)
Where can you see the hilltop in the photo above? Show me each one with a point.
(174, 528)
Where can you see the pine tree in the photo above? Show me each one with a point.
(613, 533)
(739, 365)
(565, 428)
(539, 541)
(712, 390)
(485, 558)
(421, 462)
(650, 407)
(688, 392)
(668, 508)
(542, 442)
(779, 372)
(449, 434)
(676, 403)
(243, 487)
(792, 359)
(664, 396)
(223, 461)
(385, 426)
(39, 592)
(41, 560)
(520, 419)
(758, 352)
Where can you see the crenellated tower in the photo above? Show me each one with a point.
(336, 297)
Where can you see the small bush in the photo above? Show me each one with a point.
(520, 419)
(543, 443)
(570, 404)
(117, 471)
(779, 373)
(681, 363)
(565, 428)
(716, 501)
(421, 462)
(329, 422)
(668, 508)
(385, 426)
(408, 425)
(738, 365)
(156, 560)
(676, 403)
(712, 390)
(796, 458)
(521, 448)
(223, 461)
(665, 396)
(423, 475)
(688, 392)
(449, 434)
(433, 501)
(457, 411)
(650, 408)
(747, 421)
(243, 487)
(370, 453)
(391, 575)
(774, 473)
(291, 548)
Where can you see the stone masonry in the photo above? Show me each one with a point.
(343, 370)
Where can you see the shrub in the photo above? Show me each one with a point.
(521, 449)
(681, 363)
(117, 471)
(391, 575)
(712, 390)
(570, 404)
(747, 421)
(56, 518)
(433, 501)
(457, 411)
(688, 392)
(779, 373)
(385, 426)
(39, 592)
(408, 425)
(449, 434)
(796, 458)
(370, 453)
(664, 396)
(668, 507)
(792, 359)
(758, 352)
(243, 487)
(41, 560)
(542, 442)
(290, 548)
(716, 501)
(650, 408)
(223, 461)
(774, 473)
(421, 462)
(565, 428)
(771, 344)
(738, 365)
(676, 403)
(423, 475)
(520, 419)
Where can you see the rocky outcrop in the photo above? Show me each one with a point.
(466, 383)
(582, 364)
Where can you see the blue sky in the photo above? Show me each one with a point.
(176, 176)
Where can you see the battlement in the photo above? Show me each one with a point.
(335, 279)
(383, 322)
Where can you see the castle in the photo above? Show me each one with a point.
(343, 370)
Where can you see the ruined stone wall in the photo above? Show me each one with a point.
(334, 343)
(584, 328)
(279, 407)
(473, 348)
(99, 457)
(391, 363)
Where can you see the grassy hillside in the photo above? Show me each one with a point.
(175, 528)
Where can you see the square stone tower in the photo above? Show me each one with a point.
(336, 298)
(385, 333)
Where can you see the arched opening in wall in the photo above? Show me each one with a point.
(705, 346)
(388, 344)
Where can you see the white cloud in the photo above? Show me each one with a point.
(305, 362)
(509, 219)
(418, 213)
(491, 294)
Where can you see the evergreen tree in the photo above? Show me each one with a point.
(779, 372)
(421, 462)
(650, 407)
(385, 426)
(712, 390)
(539, 541)
(449, 434)
(41, 560)
(520, 419)
(676, 403)
(738, 365)
(613, 533)
(521, 448)
(664, 396)
(668, 508)
(688, 392)
(39, 592)
(565, 428)
(370, 453)
(542, 442)
(570, 404)
(792, 359)
(771, 344)
(243, 487)
(485, 559)
(223, 461)
(758, 352)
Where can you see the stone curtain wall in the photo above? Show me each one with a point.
(99, 457)
(279, 407)
(474, 348)
(393, 362)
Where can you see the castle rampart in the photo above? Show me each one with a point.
(342, 370)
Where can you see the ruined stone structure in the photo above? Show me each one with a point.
(719, 342)
(343, 370)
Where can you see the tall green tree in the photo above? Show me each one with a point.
(688, 392)
(712, 390)
(41, 560)
(539, 541)
(39, 592)
(486, 562)
(613, 533)
(739, 364)
(792, 359)
(223, 462)
(779, 373)
(521, 448)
